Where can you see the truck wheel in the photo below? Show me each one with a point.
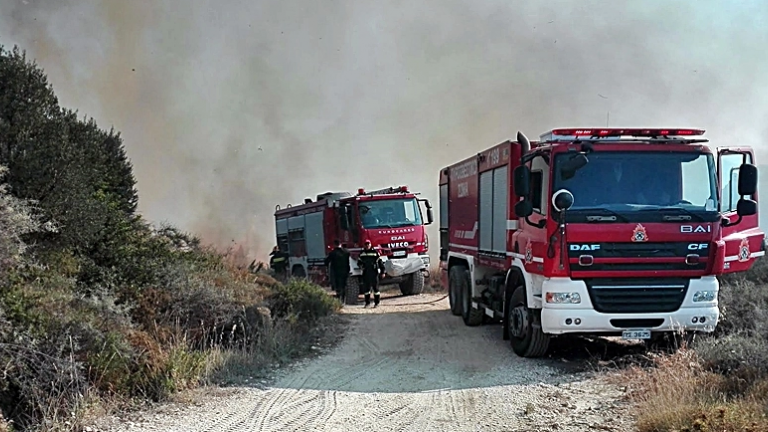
(524, 327)
(472, 316)
(352, 290)
(413, 284)
(454, 295)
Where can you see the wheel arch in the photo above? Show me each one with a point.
(519, 269)
(515, 278)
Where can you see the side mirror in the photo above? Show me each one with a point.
(522, 181)
(523, 209)
(574, 163)
(430, 216)
(562, 200)
(745, 207)
(427, 204)
(747, 180)
(344, 218)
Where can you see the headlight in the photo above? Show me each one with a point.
(425, 258)
(704, 296)
(560, 297)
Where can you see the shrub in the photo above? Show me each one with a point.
(300, 300)
(723, 383)
(103, 304)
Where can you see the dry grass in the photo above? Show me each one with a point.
(434, 283)
(722, 383)
(679, 394)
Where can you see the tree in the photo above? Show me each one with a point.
(79, 174)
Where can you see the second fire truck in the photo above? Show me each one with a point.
(391, 218)
(615, 232)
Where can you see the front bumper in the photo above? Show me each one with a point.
(563, 318)
(556, 321)
(399, 267)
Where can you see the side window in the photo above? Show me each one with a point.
(535, 198)
(729, 179)
(539, 185)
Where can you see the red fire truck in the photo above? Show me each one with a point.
(614, 232)
(391, 218)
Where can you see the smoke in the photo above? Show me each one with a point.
(229, 108)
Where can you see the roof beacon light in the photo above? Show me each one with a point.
(361, 191)
(403, 188)
(617, 132)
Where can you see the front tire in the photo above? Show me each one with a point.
(413, 284)
(472, 316)
(524, 327)
(352, 291)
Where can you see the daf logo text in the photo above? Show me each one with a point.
(585, 247)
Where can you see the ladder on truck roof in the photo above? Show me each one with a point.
(676, 135)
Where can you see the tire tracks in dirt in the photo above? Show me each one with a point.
(408, 368)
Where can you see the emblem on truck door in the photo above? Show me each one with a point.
(528, 252)
(744, 250)
(639, 234)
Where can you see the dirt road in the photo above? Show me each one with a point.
(407, 367)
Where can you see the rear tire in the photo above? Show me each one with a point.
(472, 316)
(413, 284)
(454, 295)
(352, 291)
(524, 327)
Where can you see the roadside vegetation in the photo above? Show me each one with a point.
(721, 382)
(99, 308)
(434, 284)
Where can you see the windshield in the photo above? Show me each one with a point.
(627, 181)
(390, 213)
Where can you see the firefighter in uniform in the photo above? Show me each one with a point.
(278, 261)
(373, 267)
(338, 259)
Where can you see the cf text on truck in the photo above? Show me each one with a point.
(614, 232)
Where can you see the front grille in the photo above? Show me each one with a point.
(637, 295)
(637, 257)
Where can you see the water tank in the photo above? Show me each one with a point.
(333, 196)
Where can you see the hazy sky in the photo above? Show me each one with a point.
(229, 108)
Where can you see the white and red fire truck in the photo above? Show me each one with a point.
(390, 218)
(613, 232)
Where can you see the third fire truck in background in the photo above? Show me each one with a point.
(391, 218)
(597, 232)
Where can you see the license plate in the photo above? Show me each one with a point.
(636, 334)
(398, 253)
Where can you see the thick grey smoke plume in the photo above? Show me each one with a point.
(229, 108)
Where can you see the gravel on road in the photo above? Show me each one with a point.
(408, 365)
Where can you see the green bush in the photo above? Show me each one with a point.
(104, 304)
(300, 300)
